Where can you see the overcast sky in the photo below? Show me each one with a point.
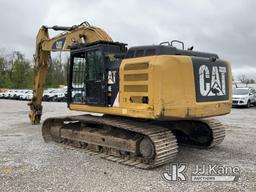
(227, 28)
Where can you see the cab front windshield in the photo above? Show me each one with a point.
(240, 92)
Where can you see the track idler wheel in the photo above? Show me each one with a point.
(147, 148)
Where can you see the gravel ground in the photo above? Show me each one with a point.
(28, 164)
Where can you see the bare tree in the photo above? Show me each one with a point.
(245, 79)
(242, 78)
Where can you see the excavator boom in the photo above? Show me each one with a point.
(77, 34)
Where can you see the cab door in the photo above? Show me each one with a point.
(95, 78)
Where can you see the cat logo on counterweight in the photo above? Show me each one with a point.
(211, 80)
(214, 83)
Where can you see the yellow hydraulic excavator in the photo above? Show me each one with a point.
(151, 97)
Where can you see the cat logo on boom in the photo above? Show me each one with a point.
(212, 82)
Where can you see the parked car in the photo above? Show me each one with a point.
(54, 95)
(244, 97)
(12, 95)
(2, 94)
(26, 95)
(17, 93)
(8, 94)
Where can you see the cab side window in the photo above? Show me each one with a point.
(94, 65)
(78, 78)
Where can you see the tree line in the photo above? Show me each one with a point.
(243, 79)
(17, 72)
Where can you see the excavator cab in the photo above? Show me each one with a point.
(93, 77)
